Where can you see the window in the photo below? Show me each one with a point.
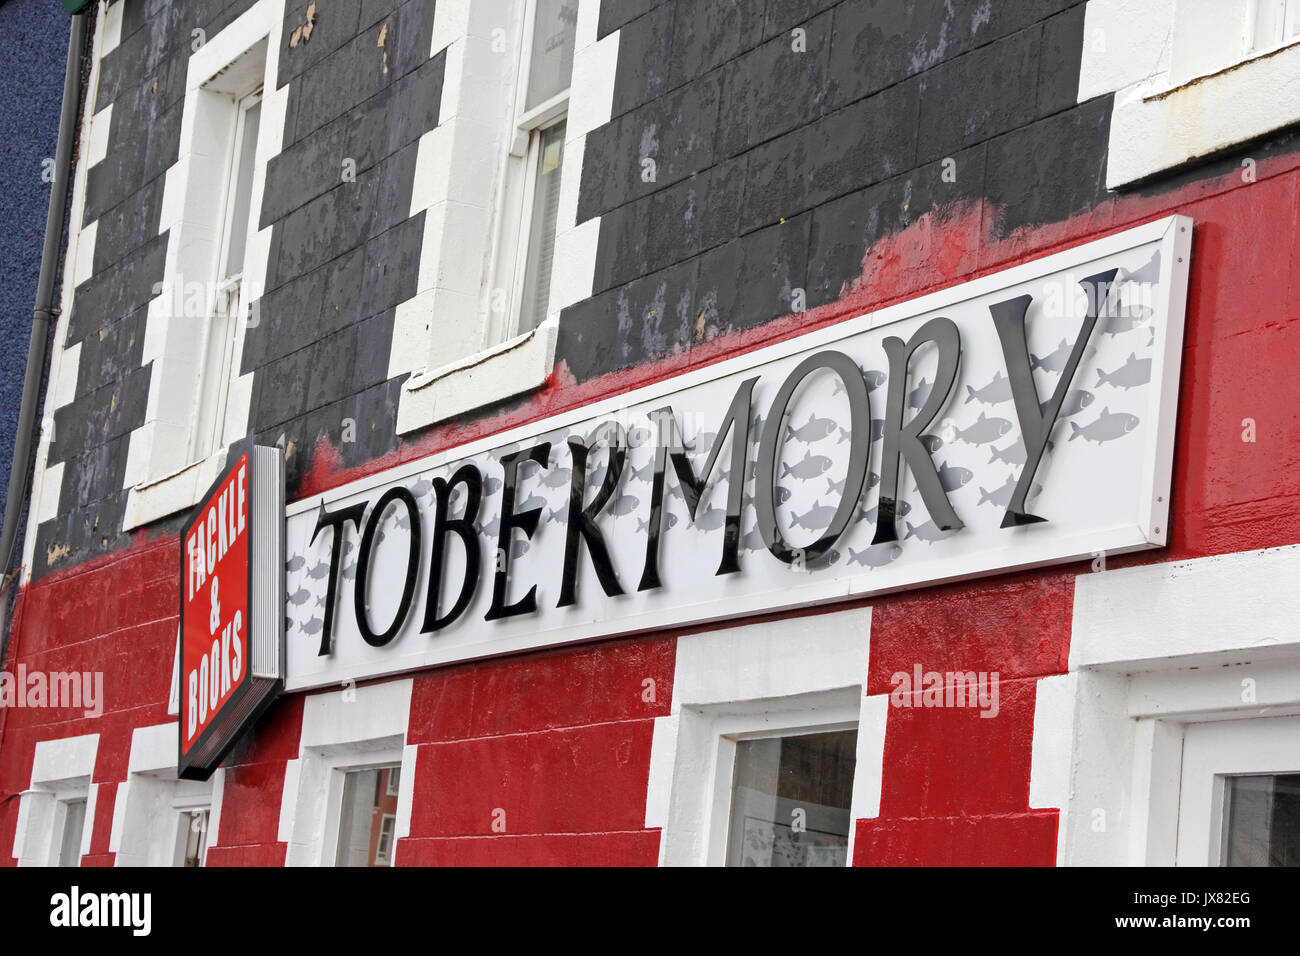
(1239, 800)
(227, 303)
(394, 781)
(1275, 22)
(790, 800)
(368, 818)
(1262, 821)
(74, 823)
(534, 168)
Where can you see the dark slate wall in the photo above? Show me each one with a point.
(33, 51)
(776, 168)
(343, 253)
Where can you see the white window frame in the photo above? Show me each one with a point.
(1186, 86)
(358, 728)
(152, 806)
(183, 810)
(1155, 650)
(517, 192)
(384, 856)
(1213, 751)
(822, 714)
(169, 465)
(460, 353)
(64, 799)
(792, 676)
(62, 771)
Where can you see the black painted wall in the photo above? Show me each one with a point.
(781, 157)
(343, 252)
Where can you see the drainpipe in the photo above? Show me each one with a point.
(20, 472)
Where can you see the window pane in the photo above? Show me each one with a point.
(366, 803)
(74, 821)
(541, 231)
(1263, 821)
(790, 800)
(241, 181)
(550, 66)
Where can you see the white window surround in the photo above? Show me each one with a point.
(148, 813)
(799, 674)
(1156, 649)
(160, 476)
(62, 770)
(349, 729)
(446, 336)
(1186, 82)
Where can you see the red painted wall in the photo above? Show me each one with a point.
(560, 740)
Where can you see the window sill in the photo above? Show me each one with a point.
(157, 498)
(522, 364)
(1160, 129)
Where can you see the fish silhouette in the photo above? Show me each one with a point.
(812, 430)
(874, 379)
(1054, 361)
(313, 626)
(711, 519)
(288, 624)
(529, 503)
(782, 495)
(1131, 374)
(493, 527)
(626, 504)
(491, 485)
(1108, 427)
(996, 391)
(1074, 403)
(1129, 317)
(1000, 496)
(835, 487)
(876, 556)
(1149, 271)
(703, 441)
(984, 430)
(951, 478)
(299, 596)
(518, 548)
(1013, 454)
(350, 572)
(932, 443)
(320, 601)
(877, 429)
(645, 472)
(295, 563)
(556, 478)
(810, 467)
(901, 509)
(816, 518)
(403, 520)
(669, 521)
(919, 394)
(554, 514)
(422, 488)
(928, 532)
(319, 571)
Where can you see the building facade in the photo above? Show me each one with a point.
(478, 269)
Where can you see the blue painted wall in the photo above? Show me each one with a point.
(33, 51)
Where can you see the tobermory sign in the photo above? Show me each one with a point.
(231, 661)
(1021, 419)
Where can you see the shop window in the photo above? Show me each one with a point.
(530, 212)
(367, 820)
(790, 800)
(71, 830)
